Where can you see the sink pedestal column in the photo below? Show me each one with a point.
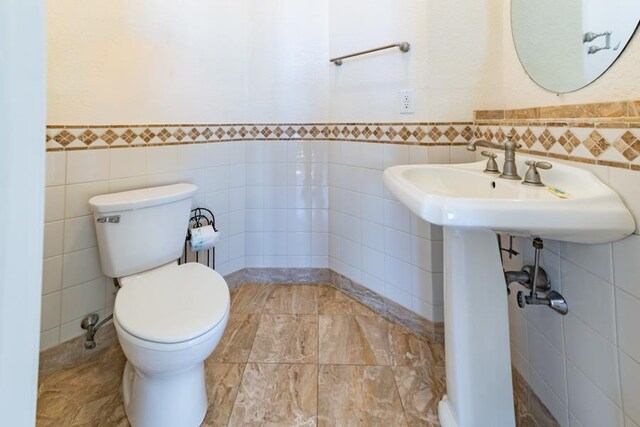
(478, 359)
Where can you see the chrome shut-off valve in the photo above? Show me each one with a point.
(536, 279)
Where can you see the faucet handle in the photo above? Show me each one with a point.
(492, 165)
(532, 177)
(539, 165)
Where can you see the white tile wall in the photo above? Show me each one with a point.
(287, 201)
(375, 240)
(592, 353)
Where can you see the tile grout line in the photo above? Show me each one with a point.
(395, 381)
(244, 370)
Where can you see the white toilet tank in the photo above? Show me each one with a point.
(141, 229)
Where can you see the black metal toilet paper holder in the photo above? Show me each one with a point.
(200, 217)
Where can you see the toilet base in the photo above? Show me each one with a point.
(160, 400)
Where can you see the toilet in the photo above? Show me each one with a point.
(168, 317)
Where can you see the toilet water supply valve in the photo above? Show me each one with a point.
(536, 279)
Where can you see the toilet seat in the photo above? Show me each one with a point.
(172, 304)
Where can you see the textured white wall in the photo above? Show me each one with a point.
(451, 65)
(267, 61)
(189, 61)
(287, 61)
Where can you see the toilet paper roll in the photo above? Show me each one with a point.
(203, 238)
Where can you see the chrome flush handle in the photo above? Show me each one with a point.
(112, 219)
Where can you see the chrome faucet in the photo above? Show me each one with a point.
(509, 170)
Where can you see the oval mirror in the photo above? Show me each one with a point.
(566, 44)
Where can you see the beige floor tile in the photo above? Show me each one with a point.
(237, 340)
(332, 301)
(87, 394)
(283, 390)
(523, 417)
(420, 390)
(286, 339)
(223, 382)
(277, 395)
(373, 340)
(354, 340)
(292, 299)
(410, 349)
(250, 298)
(351, 395)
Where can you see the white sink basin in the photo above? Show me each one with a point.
(464, 196)
(472, 206)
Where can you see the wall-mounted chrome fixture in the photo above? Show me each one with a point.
(403, 46)
(91, 323)
(591, 36)
(536, 279)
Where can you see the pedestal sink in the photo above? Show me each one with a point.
(472, 206)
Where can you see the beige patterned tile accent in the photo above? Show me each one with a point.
(101, 136)
(604, 145)
(599, 110)
(606, 133)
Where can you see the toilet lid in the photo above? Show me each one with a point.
(172, 304)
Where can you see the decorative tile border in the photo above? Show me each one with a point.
(600, 110)
(606, 134)
(119, 136)
(593, 144)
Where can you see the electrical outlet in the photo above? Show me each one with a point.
(407, 102)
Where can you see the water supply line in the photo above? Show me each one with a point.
(536, 279)
(92, 324)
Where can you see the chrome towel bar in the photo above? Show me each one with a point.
(403, 46)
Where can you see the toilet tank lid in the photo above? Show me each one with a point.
(143, 198)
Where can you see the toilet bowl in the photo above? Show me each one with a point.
(168, 317)
(168, 321)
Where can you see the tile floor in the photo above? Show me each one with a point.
(292, 355)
